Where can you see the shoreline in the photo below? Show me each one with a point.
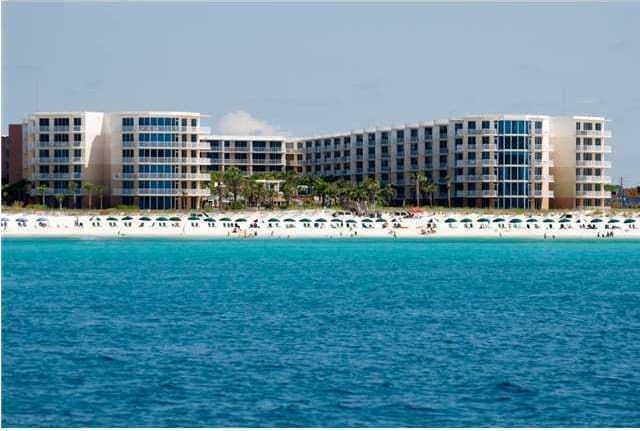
(320, 225)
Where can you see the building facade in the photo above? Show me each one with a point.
(486, 161)
(12, 155)
(164, 159)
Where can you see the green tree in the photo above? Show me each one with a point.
(372, 189)
(420, 181)
(42, 190)
(430, 188)
(73, 187)
(215, 182)
(99, 188)
(60, 199)
(232, 178)
(88, 187)
(448, 180)
(386, 194)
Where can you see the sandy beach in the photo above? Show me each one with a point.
(322, 224)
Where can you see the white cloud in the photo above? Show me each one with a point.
(243, 123)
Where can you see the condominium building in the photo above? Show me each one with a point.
(250, 154)
(164, 159)
(488, 161)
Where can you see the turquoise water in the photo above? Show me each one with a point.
(320, 332)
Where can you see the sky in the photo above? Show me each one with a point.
(304, 69)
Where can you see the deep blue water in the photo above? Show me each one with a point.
(320, 332)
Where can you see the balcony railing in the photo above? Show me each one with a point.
(161, 192)
(542, 163)
(594, 163)
(169, 175)
(547, 178)
(159, 144)
(183, 129)
(58, 176)
(594, 133)
(477, 193)
(593, 179)
(543, 193)
(59, 160)
(462, 132)
(58, 191)
(475, 178)
(62, 144)
(593, 148)
(594, 194)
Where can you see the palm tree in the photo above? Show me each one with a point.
(42, 190)
(448, 180)
(430, 188)
(233, 179)
(73, 187)
(215, 182)
(60, 199)
(386, 194)
(99, 188)
(421, 181)
(251, 191)
(320, 185)
(88, 187)
(372, 188)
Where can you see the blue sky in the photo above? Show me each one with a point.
(307, 69)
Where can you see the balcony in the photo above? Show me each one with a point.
(542, 163)
(594, 133)
(183, 129)
(60, 144)
(477, 194)
(594, 194)
(161, 192)
(593, 164)
(475, 132)
(158, 144)
(58, 176)
(58, 160)
(540, 147)
(543, 193)
(59, 191)
(547, 178)
(593, 148)
(593, 179)
(161, 175)
(60, 129)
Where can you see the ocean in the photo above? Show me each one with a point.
(344, 333)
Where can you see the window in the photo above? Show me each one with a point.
(44, 138)
(77, 137)
(77, 122)
(471, 125)
(577, 126)
(43, 122)
(538, 125)
(486, 125)
(598, 126)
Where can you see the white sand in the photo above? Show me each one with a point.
(415, 227)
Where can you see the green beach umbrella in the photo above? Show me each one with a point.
(336, 220)
(614, 220)
(175, 219)
(596, 220)
(161, 219)
(241, 220)
(351, 221)
(321, 220)
(629, 220)
(532, 220)
(225, 219)
(484, 220)
(450, 220)
(565, 220)
(289, 220)
(515, 220)
(548, 220)
(273, 220)
(304, 220)
(209, 219)
(144, 218)
(381, 220)
(367, 220)
(499, 220)
(127, 218)
(193, 218)
(112, 219)
(466, 220)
